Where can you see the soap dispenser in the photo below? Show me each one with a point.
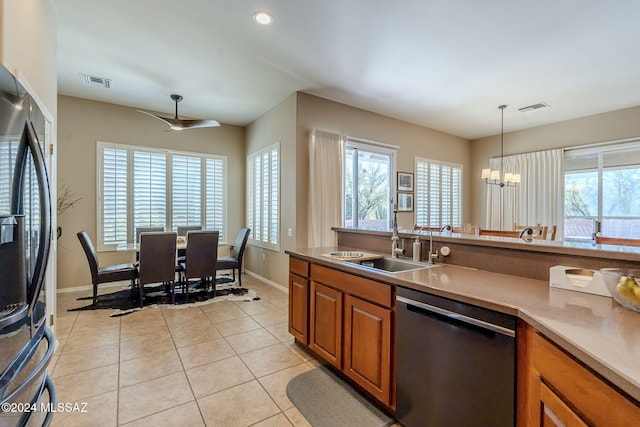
(416, 249)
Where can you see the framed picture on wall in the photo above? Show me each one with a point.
(405, 181)
(405, 202)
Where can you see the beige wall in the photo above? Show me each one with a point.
(278, 125)
(604, 127)
(29, 45)
(413, 141)
(81, 123)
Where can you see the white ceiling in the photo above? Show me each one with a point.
(443, 64)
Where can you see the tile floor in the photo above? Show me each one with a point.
(221, 364)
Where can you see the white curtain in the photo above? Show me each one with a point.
(538, 197)
(325, 187)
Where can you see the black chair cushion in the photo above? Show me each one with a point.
(227, 262)
(113, 273)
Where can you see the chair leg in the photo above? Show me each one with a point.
(141, 290)
(239, 277)
(95, 293)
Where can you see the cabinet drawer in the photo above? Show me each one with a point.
(599, 402)
(369, 290)
(299, 267)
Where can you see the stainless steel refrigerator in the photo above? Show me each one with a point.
(27, 394)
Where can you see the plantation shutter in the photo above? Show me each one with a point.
(438, 194)
(114, 195)
(149, 189)
(186, 197)
(215, 196)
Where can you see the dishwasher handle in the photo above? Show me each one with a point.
(457, 316)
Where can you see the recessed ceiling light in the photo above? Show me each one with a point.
(262, 18)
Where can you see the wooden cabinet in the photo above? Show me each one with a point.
(325, 337)
(556, 390)
(299, 300)
(298, 308)
(367, 346)
(349, 324)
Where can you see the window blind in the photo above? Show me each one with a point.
(146, 187)
(187, 191)
(263, 196)
(438, 193)
(114, 195)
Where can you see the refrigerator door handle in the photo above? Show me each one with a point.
(29, 143)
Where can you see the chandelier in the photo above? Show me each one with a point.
(495, 177)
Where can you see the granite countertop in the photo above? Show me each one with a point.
(613, 252)
(594, 329)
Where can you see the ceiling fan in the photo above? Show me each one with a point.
(180, 124)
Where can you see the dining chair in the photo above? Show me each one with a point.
(539, 232)
(106, 274)
(234, 260)
(602, 240)
(184, 229)
(157, 261)
(523, 234)
(200, 261)
(140, 230)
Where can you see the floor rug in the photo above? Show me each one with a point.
(122, 302)
(326, 400)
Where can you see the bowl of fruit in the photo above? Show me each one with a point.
(624, 285)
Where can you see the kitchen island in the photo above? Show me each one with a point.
(602, 336)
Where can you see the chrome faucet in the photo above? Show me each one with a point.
(395, 250)
(431, 255)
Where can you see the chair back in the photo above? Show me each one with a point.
(241, 241)
(184, 229)
(600, 240)
(507, 233)
(201, 254)
(157, 257)
(539, 232)
(140, 230)
(90, 252)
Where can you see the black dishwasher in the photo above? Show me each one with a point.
(456, 363)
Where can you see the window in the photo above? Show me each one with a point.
(263, 197)
(147, 187)
(367, 185)
(438, 193)
(603, 184)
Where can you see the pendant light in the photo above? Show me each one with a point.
(180, 124)
(499, 177)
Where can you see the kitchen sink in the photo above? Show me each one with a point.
(391, 265)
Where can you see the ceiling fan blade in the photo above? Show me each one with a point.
(193, 124)
(179, 124)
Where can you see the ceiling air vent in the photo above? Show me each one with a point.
(538, 106)
(95, 81)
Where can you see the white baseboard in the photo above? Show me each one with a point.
(126, 283)
(90, 287)
(267, 281)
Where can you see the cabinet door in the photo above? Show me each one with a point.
(554, 412)
(298, 308)
(367, 342)
(325, 334)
